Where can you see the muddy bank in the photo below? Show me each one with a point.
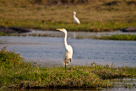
(129, 29)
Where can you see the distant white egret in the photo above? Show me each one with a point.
(69, 50)
(75, 18)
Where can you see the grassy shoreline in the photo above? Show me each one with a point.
(118, 37)
(94, 16)
(15, 73)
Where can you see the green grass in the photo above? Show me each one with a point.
(117, 37)
(130, 37)
(15, 73)
(45, 14)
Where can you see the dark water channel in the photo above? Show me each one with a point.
(50, 50)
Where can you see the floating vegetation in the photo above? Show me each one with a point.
(80, 37)
(24, 35)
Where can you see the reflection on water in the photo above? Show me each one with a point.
(125, 82)
(50, 49)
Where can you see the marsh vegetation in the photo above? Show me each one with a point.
(118, 37)
(16, 73)
(112, 37)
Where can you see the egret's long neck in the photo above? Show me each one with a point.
(74, 15)
(65, 41)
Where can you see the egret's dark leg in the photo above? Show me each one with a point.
(65, 67)
(70, 59)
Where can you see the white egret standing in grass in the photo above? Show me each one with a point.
(69, 50)
(75, 18)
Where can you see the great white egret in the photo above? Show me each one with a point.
(75, 18)
(69, 50)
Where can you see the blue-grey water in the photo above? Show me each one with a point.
(49, 50)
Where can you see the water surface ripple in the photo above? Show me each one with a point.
(50, 49)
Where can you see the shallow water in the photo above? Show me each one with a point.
(49, 50)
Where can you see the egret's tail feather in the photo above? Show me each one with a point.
(66, 63)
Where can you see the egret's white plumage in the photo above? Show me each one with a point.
(69, 50)
(75, 18)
